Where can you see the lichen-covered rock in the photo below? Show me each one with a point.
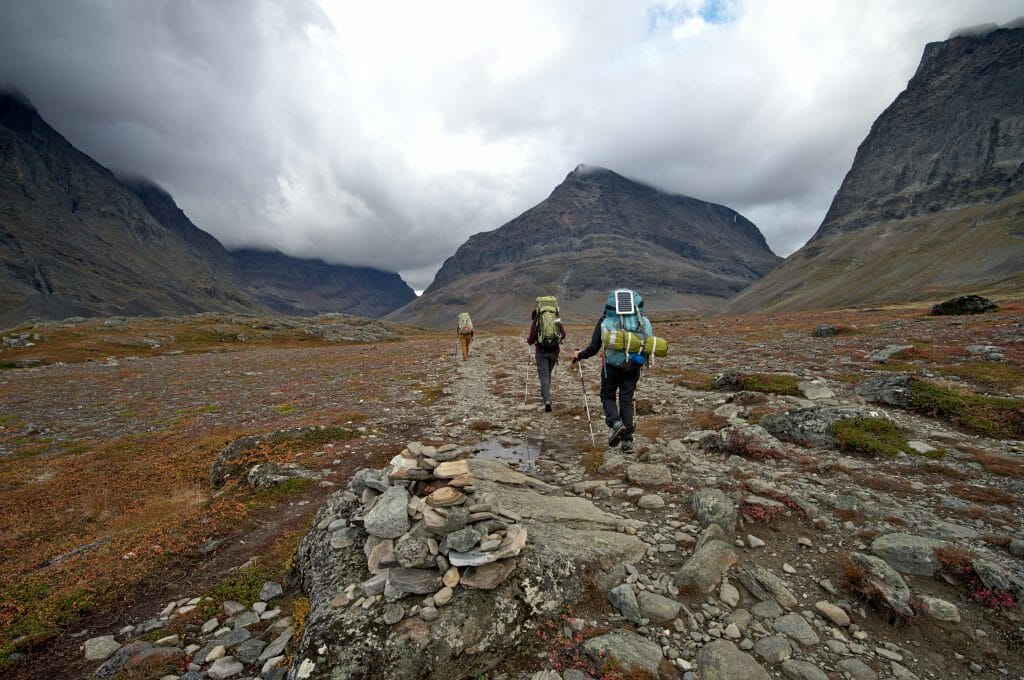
(714, 507)
(885, 581)
(706, 567)
(570, 540)
(893, 390)
(814, 426)
(964, 304)
(630, 651)
(908, 554)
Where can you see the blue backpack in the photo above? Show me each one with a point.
(624, 326)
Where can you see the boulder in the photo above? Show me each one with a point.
(657, 608)
(706, 567)
(964, 304)
(624, 599)
(763, 584)
(814, 426)
(231, 461)
(884, 581)
(890, 389)
(796, 627)
(714, 507)
(907, 553)
(389, 517)
(632, 652)
(722, 660)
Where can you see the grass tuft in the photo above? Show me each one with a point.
(990, 416)
(870, 436)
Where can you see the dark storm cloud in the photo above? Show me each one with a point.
(384, 134)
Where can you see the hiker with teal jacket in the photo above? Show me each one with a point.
(546, 335)
(625, 327)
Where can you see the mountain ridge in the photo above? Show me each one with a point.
(932, 204)
(598, 230)
(80, 241)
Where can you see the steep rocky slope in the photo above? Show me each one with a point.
(597, 231)
(293, 285)
(934, 202)
(77, 241)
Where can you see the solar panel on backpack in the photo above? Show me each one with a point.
(624, 302)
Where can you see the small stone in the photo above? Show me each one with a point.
(443, 596)
(788, 568)
(393, 613)
(99, 648)
(270, 590)
(729, 594)
(451, 577)
(754, 541)
(216, 653)
(231, 607)
(833, 613)
(225, 667)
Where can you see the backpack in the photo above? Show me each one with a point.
(465, 324)
(626, 333)
(549, 323)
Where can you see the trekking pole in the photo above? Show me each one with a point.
(526, 381)
(586, 403)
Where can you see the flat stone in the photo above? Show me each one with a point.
(270, 590)
(648, 474)
(225, 667)
(939, 610)
(773, 649)
(489, 575)
(632, 652)
(706, 568)
(657, 608)
(389, 517)
(416, 581)
(796, 626)
(277, 645)
(249, 651)
(802, 670)
(729, 594)
(623, 598)
(102, 647)
(885, 581)
(452, 468)
(763, 584)
(722, 660)
(766, 609)
(651, 502)
(833, 613)
(857, 669)
(907, 553)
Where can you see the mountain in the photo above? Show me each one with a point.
(597, 231)
(934, 202)
(76, 241)
(79, 241)
(303, 287)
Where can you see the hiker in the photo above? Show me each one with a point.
(464, 329)
(625, 326)
(546, 335)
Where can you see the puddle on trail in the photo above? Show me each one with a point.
(521, 453)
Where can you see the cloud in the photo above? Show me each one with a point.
(384, 133)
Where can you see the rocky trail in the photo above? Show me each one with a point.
(744, 538)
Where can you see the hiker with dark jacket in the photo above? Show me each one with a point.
(546, 356)
(620, 369)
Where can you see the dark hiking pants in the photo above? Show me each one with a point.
(620, 379)
(545, 364)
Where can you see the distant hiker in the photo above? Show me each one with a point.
(546, 334)
(464, 329)
(628, 340)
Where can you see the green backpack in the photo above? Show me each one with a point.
(549, 323)
(465, 324)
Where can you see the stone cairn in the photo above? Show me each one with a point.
(427, 531)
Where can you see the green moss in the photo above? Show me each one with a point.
(997, 374)
(870, 436)
(269, 495)
(991, 416)
(770, 382)
(36, 614)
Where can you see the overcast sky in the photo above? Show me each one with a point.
(385, 133)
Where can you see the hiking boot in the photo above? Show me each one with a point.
(618, 432)
(627, 446)
(547, 406)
